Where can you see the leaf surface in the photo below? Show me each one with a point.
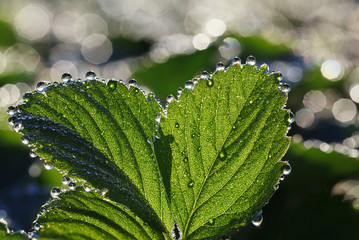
(85, 215)
(101, 134)
(226, 139)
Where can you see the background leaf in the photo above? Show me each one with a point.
(227, 137)
(5, 234)
(85, 215)
(100, 134)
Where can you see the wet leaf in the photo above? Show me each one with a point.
(85, 215)
(223, 141)
(100, 134)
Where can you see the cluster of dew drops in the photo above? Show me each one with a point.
(66, 78)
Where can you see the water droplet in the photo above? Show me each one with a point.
(87, 187)
(287, 169)
(199, 149)
(179, 90)
(193, 135)
(236, 61)
(36, 226)
(205, 75)
(177, 125)
(25, 140)
(27, 97)
(257, 219)
(210, 83)
(284, 87)
(41, 87)
(190, 184)
(251, 60)
(220, 66)
(11, 110)
(103, 191)
(291, 118)
(151, 97)
(281, 178)
(18, 127)
(264, 67)
(11, 120)
(170, 98)
(72, 186)
(279, 76)
(65, 180)
(66, 78)
(48, 166)
(132, 83)
(185, 159)
(158, 117)
(189, 85)
(90, 75)
(112, 85)
(211, 222)
(222, 155)
(55, 192)
(234, 127)
(33, 154)
(276, 187)
(137, 90)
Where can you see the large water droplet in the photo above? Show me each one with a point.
(284, 87)
(189, 85)
(204, 75)
(132, 83)
(103, 191)
(170, 98)
(33, 154)
(48, 166)
(112, 85)
(257, 219)
(220, 66)
(18, 127)
(90, 75)
(41, 87)
(287, 169)
(65, 180)
(236, 61)
(55, 192)
(66, 78)
(11, 110)
(72, 186)
(190, 184)
(251, 60)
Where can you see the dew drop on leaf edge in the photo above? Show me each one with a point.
(284, 87)
(11, 110)
(236, 61)
(66, 77)
(220, 66)
(41, 87)
(72, 186)
(251, 60)
(189, 85)
(257, 219)
(90, 75)
(65, 180)
(55, 192)
(287, 169)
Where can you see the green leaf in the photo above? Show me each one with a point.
(101, 134)
(5, 233)
(85, 215)
(226, 139)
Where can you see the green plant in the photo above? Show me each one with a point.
(201, 167)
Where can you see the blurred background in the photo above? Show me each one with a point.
(164, 43)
